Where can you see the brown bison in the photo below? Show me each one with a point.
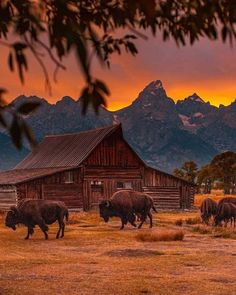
(208, 209)
(127, 204)
(226, 212)
(38, 212)
(227, 200)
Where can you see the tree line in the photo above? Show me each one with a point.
(219, 173)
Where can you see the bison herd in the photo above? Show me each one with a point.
(126, 204)
(223, 211)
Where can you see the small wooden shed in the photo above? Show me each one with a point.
(84, 168)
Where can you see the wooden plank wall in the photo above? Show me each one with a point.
(70, 194)
(113, 152)
(165, 198)
(54, 187)
(8, 197)
(159, 183)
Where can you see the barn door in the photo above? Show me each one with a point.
(185, 198)
(97, 192)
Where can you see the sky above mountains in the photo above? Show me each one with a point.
(207, 68)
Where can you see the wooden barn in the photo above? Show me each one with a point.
(84, 168)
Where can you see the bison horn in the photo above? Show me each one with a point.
(107, 204)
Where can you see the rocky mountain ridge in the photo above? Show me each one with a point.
(163, 133)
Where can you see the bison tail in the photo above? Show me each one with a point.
(154, 209)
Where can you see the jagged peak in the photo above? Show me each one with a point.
(196, 98)
(154, 86)
(22, 98)
(66, 100)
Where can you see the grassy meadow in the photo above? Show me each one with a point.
(177, 256)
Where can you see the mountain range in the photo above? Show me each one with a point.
(163, 133)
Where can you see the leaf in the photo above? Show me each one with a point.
(28, 134)
(28, 107)
(15, 133)
(18, 46)
(85, 98)
(101, 85)
(10, 62)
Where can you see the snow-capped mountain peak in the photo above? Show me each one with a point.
(194, 97)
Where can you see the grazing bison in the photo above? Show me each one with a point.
(226, 212)
(38, 212)
(208, 208)
(127, 204)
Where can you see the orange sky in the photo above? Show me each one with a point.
(207, 68)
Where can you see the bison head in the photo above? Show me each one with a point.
(12, 218)
(105, 209)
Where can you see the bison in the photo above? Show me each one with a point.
(227, 200)
(226, 212)
(126, 205)
(32, 212)
(208, 208)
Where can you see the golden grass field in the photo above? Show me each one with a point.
(98, 258)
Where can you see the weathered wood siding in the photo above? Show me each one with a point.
(167, 191)
(113, 152)
(54, 187)
(165, 198)
(8, 197)
(111, 166)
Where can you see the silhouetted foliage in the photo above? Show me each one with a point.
(224, 170)
(187, 172)
(90, 28)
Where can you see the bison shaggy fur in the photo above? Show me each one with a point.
(126, 204)
(31, 212)
(208, 209)
(226, 212)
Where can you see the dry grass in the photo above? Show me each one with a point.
(216, 232)
(165, 235)
(179, 222)
(95, 258)
(216, 195)
(194, 220)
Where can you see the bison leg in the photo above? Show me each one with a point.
(143, 218)
(132, 219)
(150, 217)
(44, 228)
(123, 222)
(30, 232)
(63, 229)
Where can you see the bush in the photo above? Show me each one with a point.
(195, 220)
(202, 229)
(179, 222)
(168, 235)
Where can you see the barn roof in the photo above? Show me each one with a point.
(21, 175)
(68, 150)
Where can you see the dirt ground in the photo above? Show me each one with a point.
(98, 258)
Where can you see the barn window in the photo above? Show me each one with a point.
(124, 185)
(69, 177)
(97, 186)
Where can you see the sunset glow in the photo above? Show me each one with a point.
(208, 68)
